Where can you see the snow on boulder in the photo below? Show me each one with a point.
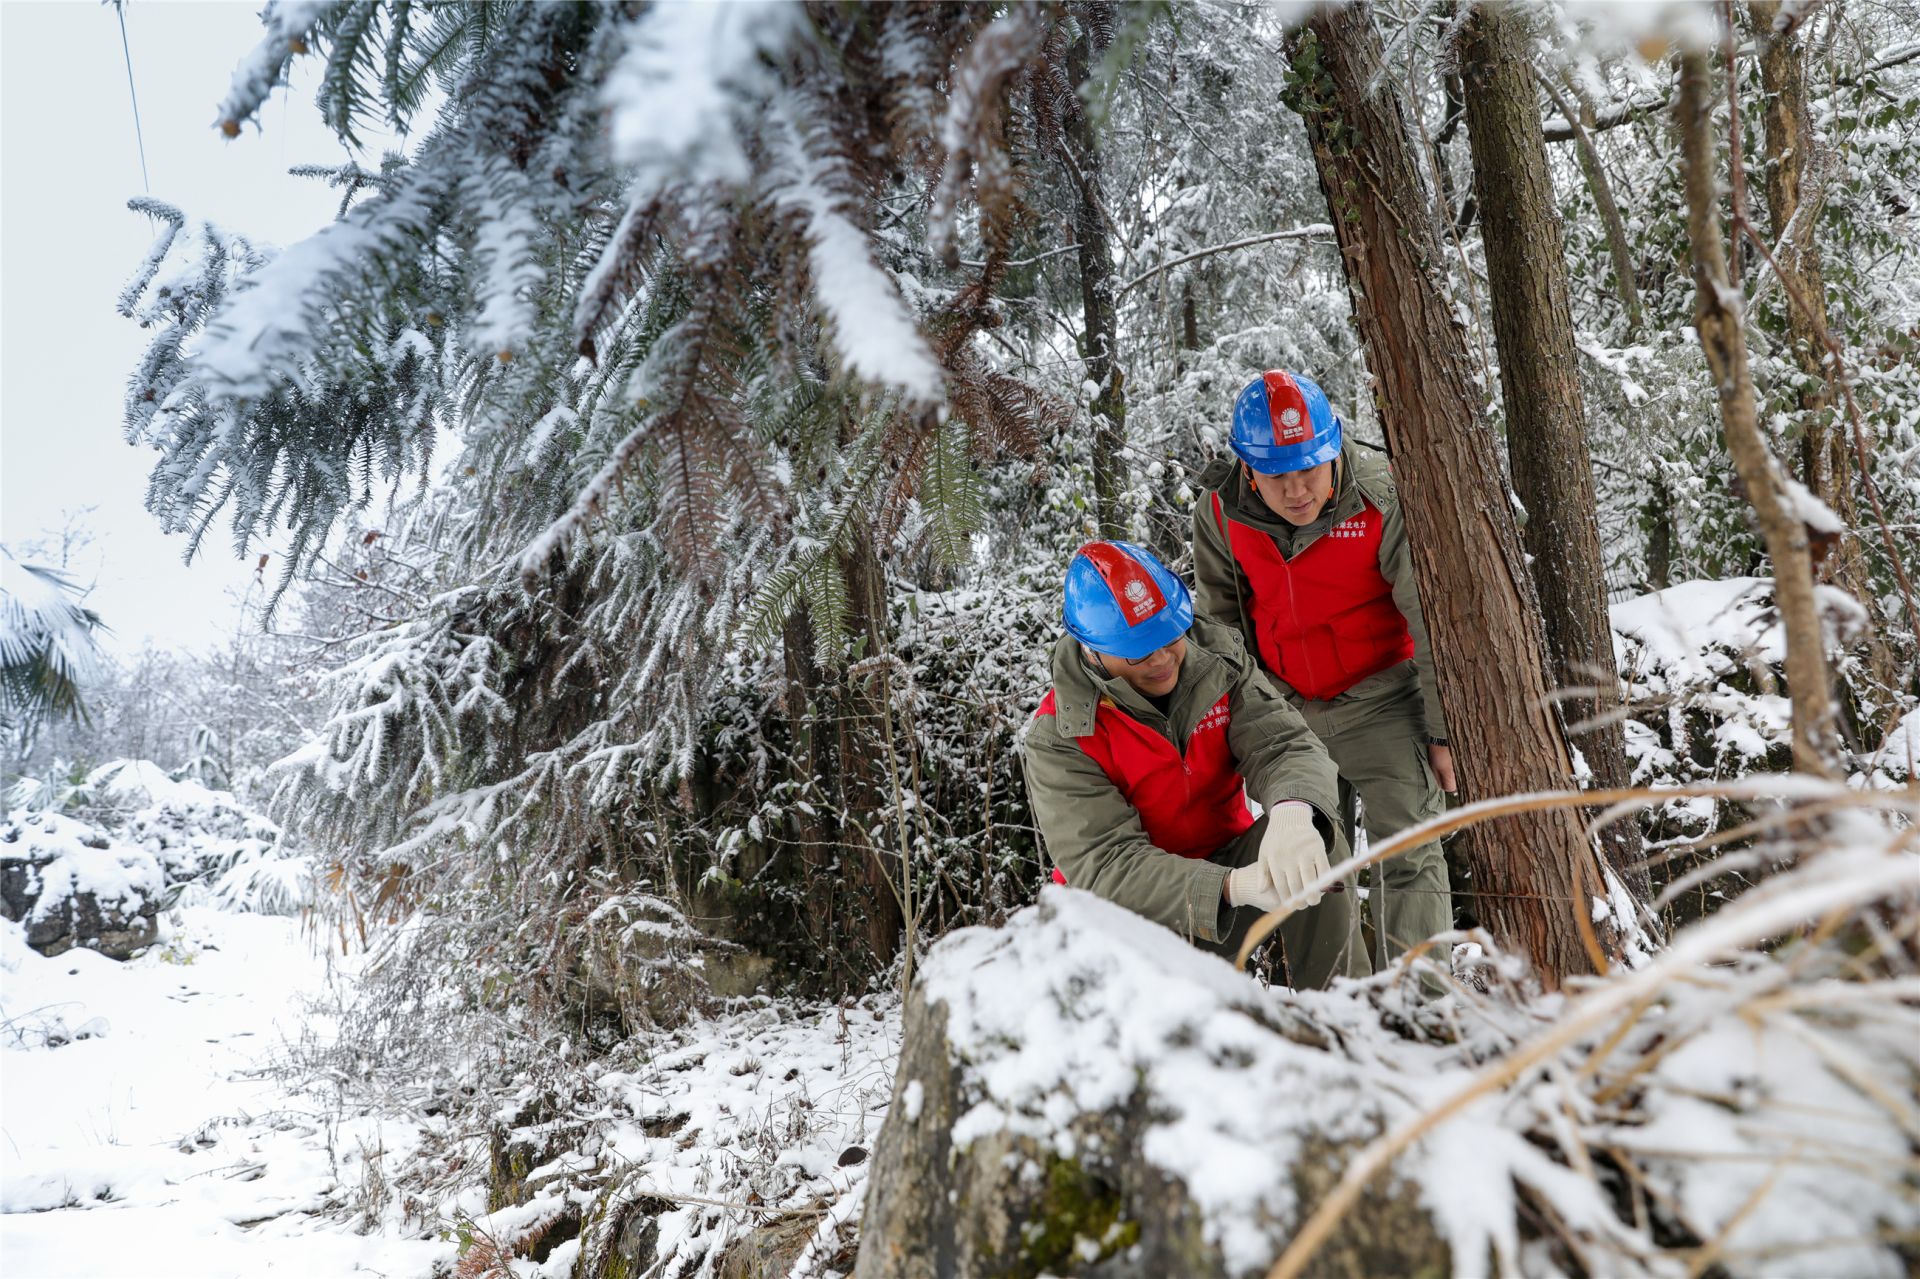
(221, 853)
(1082, 1092)
(71, 885)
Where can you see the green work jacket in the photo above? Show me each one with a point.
(1094, 835)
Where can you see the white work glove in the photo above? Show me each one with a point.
(1252, 886)
(1292, 851)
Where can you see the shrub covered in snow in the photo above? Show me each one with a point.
(206, 846)
(1703, 670)
(1703, 666)
(72, 885)
(214, 849)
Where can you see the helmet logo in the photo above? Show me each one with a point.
(1287, 409)
(1135, 593)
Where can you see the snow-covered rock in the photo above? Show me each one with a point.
(1098, 1097)
(1082, 1093)
(72, 885)
(218, 851)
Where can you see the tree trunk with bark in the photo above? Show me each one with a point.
(819, 855)
(1625, 279)
(866, 789)
(1099, 343)
(1791, 214)
(1656, 517)
(1719, 316)
(1546, 415)
(1535, 874)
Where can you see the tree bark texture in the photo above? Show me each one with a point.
(1535, 874)
(1718, 315)
(866, 789)
(1656, 516)
(1099, 348)
(809, 750)
(1546, 415)
(1625, 278)
(1791, 214)
(849, 917)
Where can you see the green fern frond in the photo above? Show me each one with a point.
(952, 495)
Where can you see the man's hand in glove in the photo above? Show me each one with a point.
(1251, 886)
(1292, 851)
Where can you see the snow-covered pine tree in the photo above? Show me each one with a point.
(670, 287)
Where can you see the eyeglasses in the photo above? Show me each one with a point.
(1133, 662)
(1142, 661)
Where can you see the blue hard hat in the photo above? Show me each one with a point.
(1123, 601)
(1282, 422)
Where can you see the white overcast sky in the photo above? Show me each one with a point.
(68, 164)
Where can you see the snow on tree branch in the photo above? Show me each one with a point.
(172, 220)
(1311, 231)
(264, 333)
(969, 134)
(504, 249)
(872, 326)
(688, 72)
(588, 503)
(288, 23)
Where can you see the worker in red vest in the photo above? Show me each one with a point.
(1141, 757)
(1300, 546)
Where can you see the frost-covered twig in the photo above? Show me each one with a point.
(289, 23)
(1313, 230)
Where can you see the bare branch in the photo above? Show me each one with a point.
(1297, 233)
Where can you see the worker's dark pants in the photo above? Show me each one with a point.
(1376, 734)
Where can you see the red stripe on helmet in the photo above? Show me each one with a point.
(1292, 422)
(1134, 589)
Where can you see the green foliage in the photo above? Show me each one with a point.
(48, 650)
(952, 493)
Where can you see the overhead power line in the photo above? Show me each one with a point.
(120, 8)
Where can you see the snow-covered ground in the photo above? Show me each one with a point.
(144, 1130)
(151, 1122)
(147, 1130)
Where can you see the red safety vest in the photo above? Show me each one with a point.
(1325, 620)
(1191, 802)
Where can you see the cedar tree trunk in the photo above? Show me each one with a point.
(1718, 314)
(1546, 417)
(1790, 220)
(1535, 874)
(865, 787)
